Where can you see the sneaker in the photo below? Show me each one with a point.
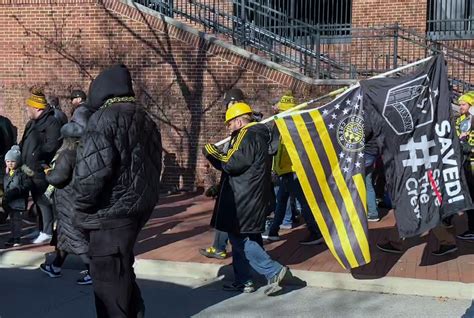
(211, 252)
(13, 242)
(43, 238)
(466, 236)
(389, 248)
(248, 287)
(274, 284)
(50, 271)
(373, 219)
(270, 236)
(312, 239)
(286, 227)
(86, 279)
(445, 249)
(32, 235)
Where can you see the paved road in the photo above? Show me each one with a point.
(29, 293)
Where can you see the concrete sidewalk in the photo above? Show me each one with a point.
(178, 297)
(179, 227)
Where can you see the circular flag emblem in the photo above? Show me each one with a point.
(350, 133)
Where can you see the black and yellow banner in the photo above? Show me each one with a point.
(326, 148)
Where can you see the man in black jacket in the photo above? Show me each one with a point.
(116, 184)
(242, 202)
(39, 144)
(77, 98)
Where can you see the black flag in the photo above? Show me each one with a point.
(421, 149)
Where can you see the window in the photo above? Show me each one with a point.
(450, 19)
(295, 18)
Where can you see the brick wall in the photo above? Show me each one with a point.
(61, 45)
(409, 13)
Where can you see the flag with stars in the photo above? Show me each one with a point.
(326, 149)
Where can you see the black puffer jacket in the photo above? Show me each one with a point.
(119, 158)
(70, 238)
(245, 187)
(39, 144)
(8, 135)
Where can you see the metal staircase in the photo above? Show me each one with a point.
(323, 47)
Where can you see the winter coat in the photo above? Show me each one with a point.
(70, 238)
(39, 144)
(8, 135)
(118, 162)
(16, 188)
(245, 189)
(60, 116)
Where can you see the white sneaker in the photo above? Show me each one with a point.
(43, 238)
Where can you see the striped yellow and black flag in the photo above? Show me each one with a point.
(326, 148)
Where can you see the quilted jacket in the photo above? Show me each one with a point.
(118, 161)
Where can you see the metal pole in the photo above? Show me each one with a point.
(395, 46)
(298, 107)
(344, 90)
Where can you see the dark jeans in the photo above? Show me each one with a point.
(45, 207)
(247, 251)
(111, 252)
(15, 221)
(62, 255)
(470, 183)
(220, 240)
(291, 186)
(372, 211)
(291, 210)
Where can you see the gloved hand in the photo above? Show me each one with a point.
(209, 148)
(213, 191)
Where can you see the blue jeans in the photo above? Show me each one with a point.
(291, 205)
(220, 241)
(290, 185)
(372, 211)
(247, 251)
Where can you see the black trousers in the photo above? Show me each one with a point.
(111, 252)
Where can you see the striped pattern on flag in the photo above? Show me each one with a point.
(335, 193)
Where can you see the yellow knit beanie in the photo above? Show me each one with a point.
(37, 99)
(287, 101)
(467, 98)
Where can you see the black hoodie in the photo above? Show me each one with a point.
(118, 162)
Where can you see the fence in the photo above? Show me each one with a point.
(320, 45)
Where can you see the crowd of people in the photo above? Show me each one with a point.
(250, 163)
(92, 180)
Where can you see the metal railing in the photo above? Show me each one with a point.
(450, 19)
(334, 50)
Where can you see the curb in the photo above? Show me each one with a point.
(145, 268)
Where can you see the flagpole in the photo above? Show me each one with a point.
(298, 107)
(331, 94)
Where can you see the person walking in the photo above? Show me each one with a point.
(116, 188)
(241, 207)
(289, 185)
(465, 131)
(70, 239)
(38, 145)
(78, 98)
